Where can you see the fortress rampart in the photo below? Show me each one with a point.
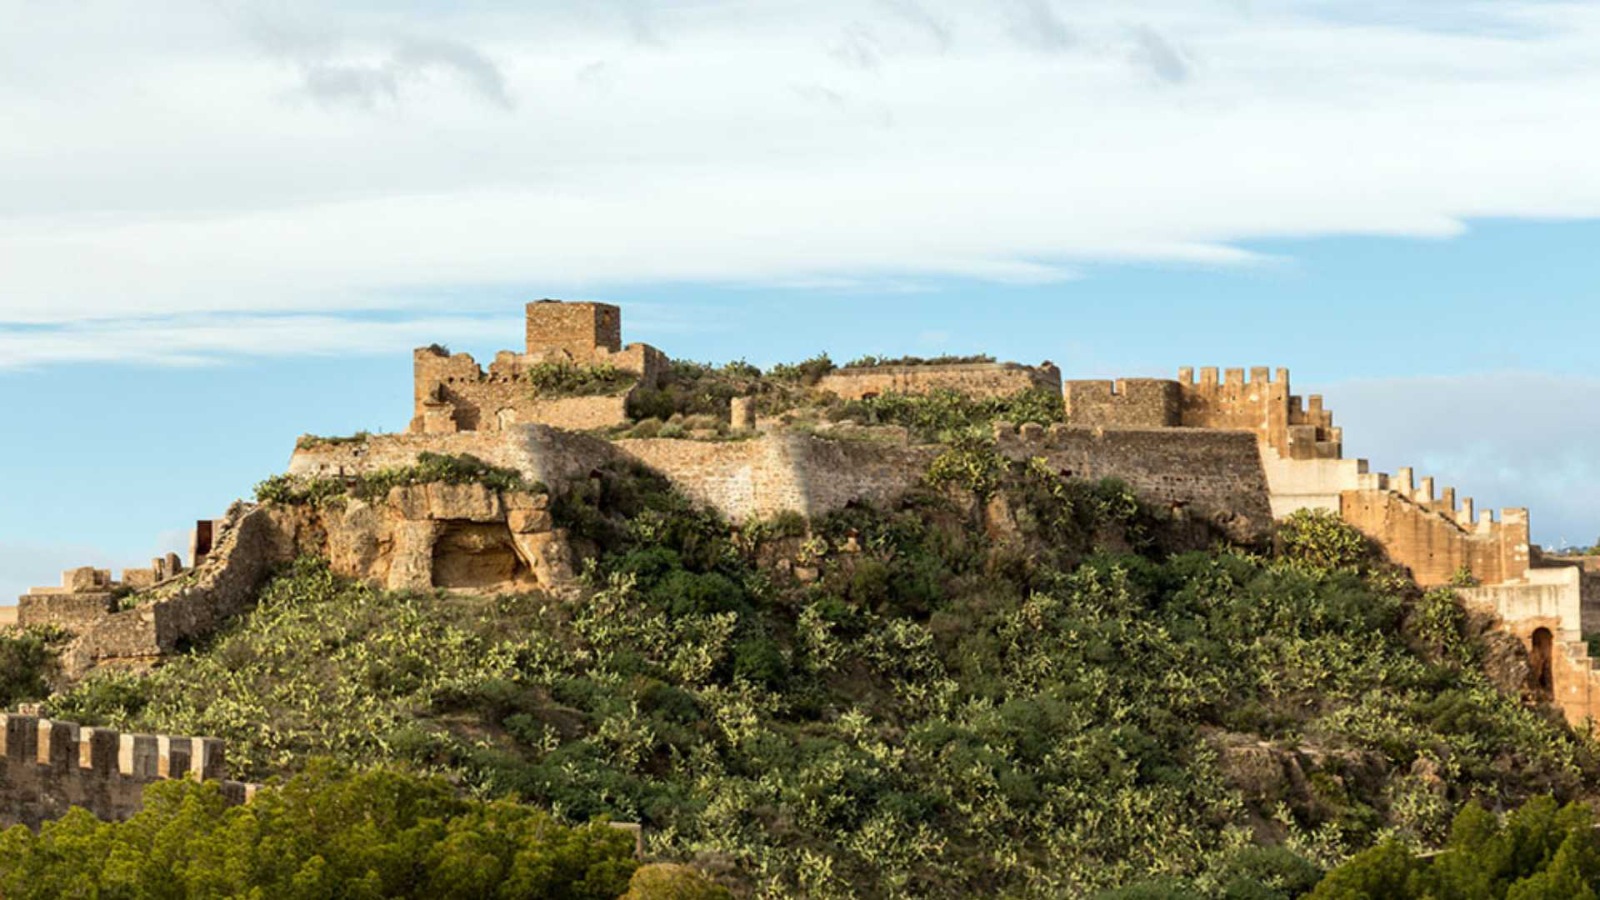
(972, 379)
(1260, 403)
(48, 766)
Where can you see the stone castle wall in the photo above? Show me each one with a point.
(542, 453)
(791, 472)
(1216, 475)
(47, 767)
(973, 379)
(452, 393)
(1261, 404)
(1435, 538)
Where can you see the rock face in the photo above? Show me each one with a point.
(419, 537)
(425, 536)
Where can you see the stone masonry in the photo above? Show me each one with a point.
(48, 766)
(452, 393)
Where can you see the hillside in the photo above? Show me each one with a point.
(1008, 682)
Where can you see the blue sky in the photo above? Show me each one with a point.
(227, 225)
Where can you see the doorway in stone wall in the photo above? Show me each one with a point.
(1541, 660)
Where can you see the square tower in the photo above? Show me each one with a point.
(578, 330)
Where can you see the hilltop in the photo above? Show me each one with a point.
(902, 627)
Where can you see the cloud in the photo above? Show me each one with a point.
(1037, 25)
(1156, 53)
(1505, 439)
(199, 340)
(155, 174)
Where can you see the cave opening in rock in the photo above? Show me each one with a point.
(478, 556)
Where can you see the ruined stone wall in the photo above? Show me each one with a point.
(541, 453)
(972, 379)
(46, 767)
(761, 477)
(1436, 541)
(186, 609)
(1125, 403)
(1212, 474)
(453, 393)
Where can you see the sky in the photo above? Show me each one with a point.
(225, 223)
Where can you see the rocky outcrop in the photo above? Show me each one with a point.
(418, 537)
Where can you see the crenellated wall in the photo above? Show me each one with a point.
(973, 379)
(1436, 538)
(1260, 403)
(46, 767)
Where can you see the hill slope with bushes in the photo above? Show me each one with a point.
(1011, 684)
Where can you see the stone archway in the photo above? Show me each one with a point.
(1541, 662)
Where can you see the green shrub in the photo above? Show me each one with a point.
(327, 832)
(429, 468)
(28, 663)
(1321, 539)
(869, 362)
(564, 379)
(946, 415)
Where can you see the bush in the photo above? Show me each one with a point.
(324, 833)
(1321, 539)
(870, 362)
(946, 415)
(28, 661)
(564, 379)
(429, 468)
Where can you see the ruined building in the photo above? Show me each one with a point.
(1237, 449)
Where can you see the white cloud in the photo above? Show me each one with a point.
(1505, 439)
(255, 159)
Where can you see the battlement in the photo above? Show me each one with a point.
(1425, 529)
(453, 393)
(48, 766)
(1257, 400)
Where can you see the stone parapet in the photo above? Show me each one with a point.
(47, 767)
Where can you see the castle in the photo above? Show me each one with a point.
(1237, 449)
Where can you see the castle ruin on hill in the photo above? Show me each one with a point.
(1236, 449)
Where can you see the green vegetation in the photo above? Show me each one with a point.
(313, 441)
(944, 415)
(28, 664)
(564, 379)
(429, 468)
(324, 833)
(873, 362)
(1008, 684)
(690, 389)
(1542, 851)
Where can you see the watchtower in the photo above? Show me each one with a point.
(575, 330)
